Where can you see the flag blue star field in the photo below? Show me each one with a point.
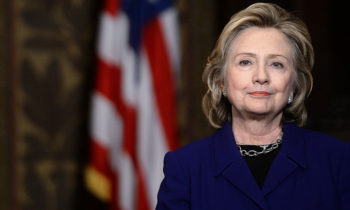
(133, 104)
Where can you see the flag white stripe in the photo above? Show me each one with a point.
(106, 124)
(122, 165)
(169, 26)
(107, 41)
(152, 144)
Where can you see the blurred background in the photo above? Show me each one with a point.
(47, 69)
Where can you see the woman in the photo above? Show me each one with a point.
(258, 77)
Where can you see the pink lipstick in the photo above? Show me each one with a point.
(260, 93)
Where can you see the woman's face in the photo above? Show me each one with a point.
(259, 73)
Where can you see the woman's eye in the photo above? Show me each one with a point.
(244, 62)
(277, 64)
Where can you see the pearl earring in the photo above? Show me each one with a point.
(224, 93)
(290, 99)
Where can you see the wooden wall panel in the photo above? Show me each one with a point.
(55, 59)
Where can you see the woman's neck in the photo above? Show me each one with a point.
(256, 132)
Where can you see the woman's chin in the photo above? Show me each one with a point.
(259, 111)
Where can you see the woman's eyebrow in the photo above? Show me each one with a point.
(254, 55)
(245, 53)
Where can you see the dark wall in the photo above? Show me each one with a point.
(330, 102)
(328, 105)
(5, 115)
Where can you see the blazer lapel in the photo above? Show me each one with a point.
(240, 176)
(290, 157)
(229, 163)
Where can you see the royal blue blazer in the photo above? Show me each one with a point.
(310, 172)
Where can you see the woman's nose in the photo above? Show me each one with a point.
(261, 75)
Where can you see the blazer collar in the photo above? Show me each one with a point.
(229, 162)
(290, 157)
(293, 144)
(231, 165)
(226, 152)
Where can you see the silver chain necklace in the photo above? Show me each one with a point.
(265, 148)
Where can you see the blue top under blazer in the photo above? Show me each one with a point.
(310, 172)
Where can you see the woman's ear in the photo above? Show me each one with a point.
(222, 85)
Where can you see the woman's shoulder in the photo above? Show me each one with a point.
(325, 139)
(195, 147)
(196, 151)
(323, 142)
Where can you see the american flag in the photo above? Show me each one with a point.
(133, 104)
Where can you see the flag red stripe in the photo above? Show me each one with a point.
(112, 7)
(162, 79)
(99, 157)
(109, 84)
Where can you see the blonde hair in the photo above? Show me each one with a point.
(264, 15)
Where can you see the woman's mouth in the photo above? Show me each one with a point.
(260, 93)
